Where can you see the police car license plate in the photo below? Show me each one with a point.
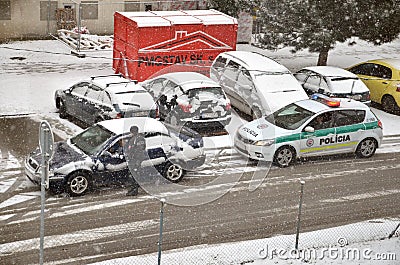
(208, 115)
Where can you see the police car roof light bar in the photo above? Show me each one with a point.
(326, 100)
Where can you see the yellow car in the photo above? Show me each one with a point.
(382, 77)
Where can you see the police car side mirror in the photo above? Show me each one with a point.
(309, 129)
(321, 90)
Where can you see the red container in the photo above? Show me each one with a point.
(148, 44)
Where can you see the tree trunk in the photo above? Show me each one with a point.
(323, 57)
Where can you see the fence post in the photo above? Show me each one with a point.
(46, 142)
(298, 217)
(78, 45)
(161, 229)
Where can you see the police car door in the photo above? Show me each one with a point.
(349, 129)
(317, 137)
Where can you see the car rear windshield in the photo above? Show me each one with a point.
(290, 117)
(206, 91)
(91, 140)
(125, 96)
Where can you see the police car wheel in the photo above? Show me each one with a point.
(366, 148)
(284, 156)
(173, 172)
(78, 184)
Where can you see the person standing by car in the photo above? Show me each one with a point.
(135, 155)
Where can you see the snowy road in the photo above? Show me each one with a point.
(86, 228)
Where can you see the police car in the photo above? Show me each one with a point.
(89, 159)
(311, 127)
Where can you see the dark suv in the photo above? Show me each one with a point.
(104, 98)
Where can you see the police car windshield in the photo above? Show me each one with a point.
(92, 139)
(290, 117)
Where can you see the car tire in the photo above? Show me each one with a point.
(173, 172)
(366, 148)
(62, 110)
(389, 104)
(58, 102)
(284, 156)
(78, 183)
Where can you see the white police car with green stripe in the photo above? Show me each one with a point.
(311, 127)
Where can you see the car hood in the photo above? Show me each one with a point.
(63, 155)
(261, 129)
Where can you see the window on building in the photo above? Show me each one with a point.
(5, 10)
(90, 10)
(131, 6)
(44, 11)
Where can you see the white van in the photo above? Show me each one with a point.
(255, 84)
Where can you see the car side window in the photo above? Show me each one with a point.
(314, 81)
(322, 121)
(80, 89)
(301, 76)
(219, 63)
(105, 98)
(171, 89)
(156, 87)
(324, 84)
(349, 117)
(382, 71)
(244, 78)
(363, 69)
(232, 70)
(93, 93)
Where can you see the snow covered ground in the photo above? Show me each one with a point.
(31, 71)
(360, 243)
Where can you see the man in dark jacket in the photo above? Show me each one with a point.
(136, 154)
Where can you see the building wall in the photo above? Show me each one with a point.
(22, 19)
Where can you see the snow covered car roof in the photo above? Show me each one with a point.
(317, 106)
(258, 62)
(331, 71)
(116, 84)
(120, 126)
(189, 80)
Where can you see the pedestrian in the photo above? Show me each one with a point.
(136, 154)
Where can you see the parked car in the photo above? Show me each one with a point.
(190, 99)
(333, 82)
(255, 84)
(382, 77)
(103, 98)
(311, 127)
(85, 161)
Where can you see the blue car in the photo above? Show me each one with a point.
(90, 160)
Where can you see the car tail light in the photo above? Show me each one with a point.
(157, 113)
(398, 88)
(380, 124)
(118, 116)
(185, 108)
(228, 106)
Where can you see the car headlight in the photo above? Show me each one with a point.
(267, 142)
